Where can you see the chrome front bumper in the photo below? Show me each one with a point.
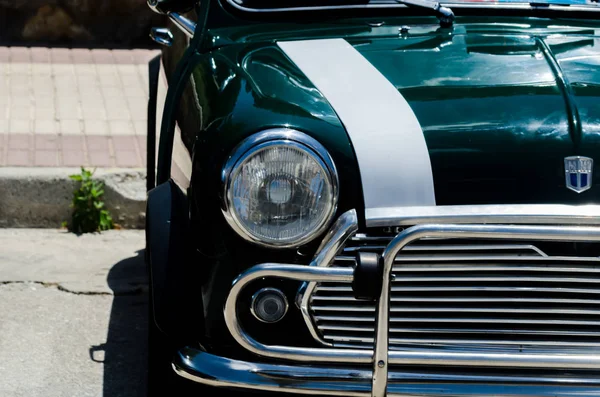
(212, 370)
(334, 371)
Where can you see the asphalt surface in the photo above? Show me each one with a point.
(73, 314)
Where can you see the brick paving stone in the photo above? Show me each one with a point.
(40, 55)
(143, 156)
(68, 110)
(46, 142)
(21, 101)
(82, 55)
(4, 54)
(70, 127)
(141, 129)
(100, 159)
(62, 69)
(103, 57)
(112, 92)
(20, 158)
(41, 69)
(45, 100)
(72, 143)
(121, 127)
(61, 55)
(21, 112)
(92, 101)
(115, 112)
(123, 56)
(45, 126)
(109, 80)
(18, 69)
(93, 113)
(45, 114)
(18, 126)
(141, 140)
(73, 158)
(98, 143)
(20, 141)
(20, 55)
(85, 70)
(138, 108)
(127, 158)
(19, 85)
(45, 158)
(95, 127)
(126, 143)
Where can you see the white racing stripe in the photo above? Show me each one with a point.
(388, 140)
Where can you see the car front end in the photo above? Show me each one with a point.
(394, 208)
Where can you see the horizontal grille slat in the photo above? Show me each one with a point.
(495, 268)
(348, 319)
(490, 332)
(473, 289)
(371, 309)
(473, 341)
(405, 299)
(447, 295)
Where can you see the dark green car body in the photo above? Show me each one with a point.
(502, 100)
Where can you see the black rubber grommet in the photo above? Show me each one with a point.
(368, 276)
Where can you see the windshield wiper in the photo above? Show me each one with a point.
(444, 14)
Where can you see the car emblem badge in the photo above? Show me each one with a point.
(578, 173)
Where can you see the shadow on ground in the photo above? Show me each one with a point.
(124, 354)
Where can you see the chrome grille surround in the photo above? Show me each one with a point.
(509, 224)
(468, 297)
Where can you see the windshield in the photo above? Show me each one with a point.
(561, 2)
(290, 5)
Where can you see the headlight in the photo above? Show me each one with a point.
(280, 188)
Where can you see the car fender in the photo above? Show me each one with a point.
(170, 260)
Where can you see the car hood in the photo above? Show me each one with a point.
(499, 108)
(499, 112)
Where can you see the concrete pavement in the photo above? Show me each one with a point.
(73, 313)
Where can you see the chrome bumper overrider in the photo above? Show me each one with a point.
(333, 372)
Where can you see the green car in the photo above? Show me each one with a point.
(375, 197)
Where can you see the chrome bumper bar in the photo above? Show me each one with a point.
(379, 381)
(216, 371)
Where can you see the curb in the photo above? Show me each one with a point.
(41, 197)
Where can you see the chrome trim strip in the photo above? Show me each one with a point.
(382, 355)
(212, 370)
(496, 214)
(512, 6)
(184, 24)
(335, 240)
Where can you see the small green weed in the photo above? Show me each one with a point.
(89, 214)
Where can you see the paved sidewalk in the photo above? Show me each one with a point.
(72, 107)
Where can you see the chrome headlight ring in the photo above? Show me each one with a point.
(284, 138)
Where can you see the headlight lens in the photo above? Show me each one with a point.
(280, 192)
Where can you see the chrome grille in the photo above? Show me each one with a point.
(470, 295)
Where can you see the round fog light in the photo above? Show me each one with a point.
(269, 305)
